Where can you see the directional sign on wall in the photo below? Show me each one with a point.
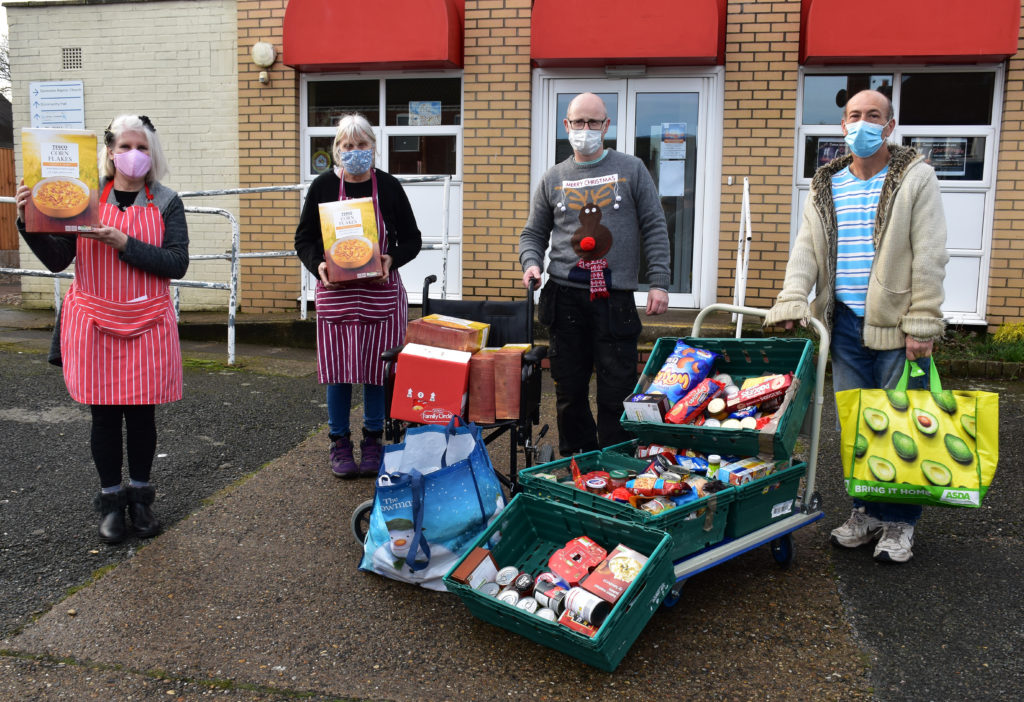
(57, 104)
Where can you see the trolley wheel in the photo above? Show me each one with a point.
(361, 520)
(783, 550)
(814, 504)
(545, 454)
(674, 594)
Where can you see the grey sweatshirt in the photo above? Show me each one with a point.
(638, 224)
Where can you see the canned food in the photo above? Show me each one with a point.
(506, 576)
(490, 589)
(545, 577)
(712, 422)
(528, 603)
(549, 595)
(523, 584)
(748, 423)
(509, 596)
(587, 606)
(545, 613)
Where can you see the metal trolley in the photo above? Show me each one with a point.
(778, 535)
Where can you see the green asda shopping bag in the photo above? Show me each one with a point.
(929, 447)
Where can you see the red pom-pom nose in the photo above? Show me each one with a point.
(588, 243)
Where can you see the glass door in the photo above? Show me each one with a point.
(662, 122)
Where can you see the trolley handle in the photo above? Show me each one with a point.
(819, 328)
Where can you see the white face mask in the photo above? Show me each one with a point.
(586, 141)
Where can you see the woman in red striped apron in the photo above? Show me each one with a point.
(357, 321)
(118, 333)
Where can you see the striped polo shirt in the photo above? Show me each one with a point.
(856, 202)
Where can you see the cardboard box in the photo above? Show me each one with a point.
(481, 386)
(430, 384)
(351, 242)
(610, 579)
(508, 374)
(477, 568)
(62, 169)
(647, 407)
(448, 332)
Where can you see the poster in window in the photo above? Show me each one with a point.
(948, 156)
(830, 148)
(672, 164)
(424, 113)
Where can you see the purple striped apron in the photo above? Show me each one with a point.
(356, 323)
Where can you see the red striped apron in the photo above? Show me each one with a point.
(356, 323)
(119, 336)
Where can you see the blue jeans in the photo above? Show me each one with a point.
(339, 407)
(856, 366)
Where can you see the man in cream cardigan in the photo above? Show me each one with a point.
(872, 243)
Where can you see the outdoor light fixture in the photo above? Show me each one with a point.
(263, 55)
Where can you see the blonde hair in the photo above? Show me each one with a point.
(352, 125)
(141, 125)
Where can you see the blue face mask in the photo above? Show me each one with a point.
(863, 138)
(357, 162)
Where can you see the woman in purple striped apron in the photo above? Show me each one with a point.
(118, 335)
(357, 321)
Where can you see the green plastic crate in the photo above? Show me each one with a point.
(740, 358)
(693, 526)
(527, 532)
(765, 500)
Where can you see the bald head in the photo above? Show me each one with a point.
(587, 106)
(865, 100)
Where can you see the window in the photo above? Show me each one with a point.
(421, 128)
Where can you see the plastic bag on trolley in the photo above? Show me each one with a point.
(436, 493)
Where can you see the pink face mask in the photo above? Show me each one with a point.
(133, 164)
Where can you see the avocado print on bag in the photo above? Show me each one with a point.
(919, 446)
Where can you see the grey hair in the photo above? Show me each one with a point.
(140, 124)
(350, 126)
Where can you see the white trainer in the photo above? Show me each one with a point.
(896, 542)
(858, 530)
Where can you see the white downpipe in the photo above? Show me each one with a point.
(739, 292)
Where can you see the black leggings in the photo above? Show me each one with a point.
(140, 422)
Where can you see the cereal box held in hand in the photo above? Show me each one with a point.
(62, 169)
(351, 243)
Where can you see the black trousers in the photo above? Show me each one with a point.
(587, 336)
(107, 438)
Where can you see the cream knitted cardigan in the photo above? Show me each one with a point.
(905, 287)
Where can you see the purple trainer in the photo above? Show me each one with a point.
(343, 463)
(371, 454)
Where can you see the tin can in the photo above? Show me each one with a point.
(545, 577)
(545, 613)
(529, 604)
(490, 589)
(509, 596)
(587, 606)
(523, 584)
(550, 595)
(506, 576)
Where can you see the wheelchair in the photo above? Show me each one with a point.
(511, 322)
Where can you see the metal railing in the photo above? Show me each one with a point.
(234, 255)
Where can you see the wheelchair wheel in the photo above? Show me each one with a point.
(545, 454)
(361, 520)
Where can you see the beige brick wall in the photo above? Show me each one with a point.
(268, 123)
(496, 132)
(1006, 276)
(180, 72)
(761, 63)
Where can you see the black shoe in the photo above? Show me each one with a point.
(112, 526)
(144, 522)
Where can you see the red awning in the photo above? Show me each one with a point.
(909, 31)
(656, 32)
(331, 35)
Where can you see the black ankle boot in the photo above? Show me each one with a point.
(144, 522)
(111, 506)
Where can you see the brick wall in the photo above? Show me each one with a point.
(268, 149)
(496, 132)
(1006, 276)
(183, 77)
(761, 64)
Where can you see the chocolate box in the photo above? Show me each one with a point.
(448, 332)
(430, 384)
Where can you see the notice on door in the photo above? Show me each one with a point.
(672, 162)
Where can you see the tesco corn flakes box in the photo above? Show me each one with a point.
(351, 244)
(61, 166)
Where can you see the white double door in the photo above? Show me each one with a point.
(672, 125)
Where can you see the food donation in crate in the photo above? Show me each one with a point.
(578, 590)
(686, 390)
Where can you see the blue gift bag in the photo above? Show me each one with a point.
(436, 492)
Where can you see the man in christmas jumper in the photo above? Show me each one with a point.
(598, 211)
